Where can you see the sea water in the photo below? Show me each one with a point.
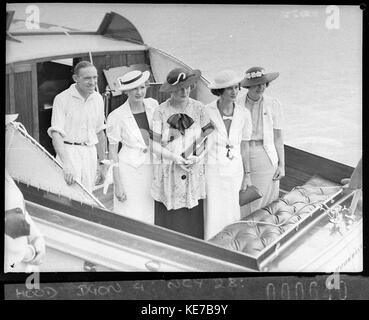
(319, 60)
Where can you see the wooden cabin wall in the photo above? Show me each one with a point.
(22, 87)
(111, 60)
(8, 109)
(21, 96)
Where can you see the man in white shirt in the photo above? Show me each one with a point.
(77, 127)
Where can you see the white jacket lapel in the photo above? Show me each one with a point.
(217, 119)
(235, 122)
(150, 108)
(131, 124)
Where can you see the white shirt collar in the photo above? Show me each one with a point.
(75, 92)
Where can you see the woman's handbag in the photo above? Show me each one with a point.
(250, 194)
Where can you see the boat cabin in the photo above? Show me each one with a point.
(39, 65)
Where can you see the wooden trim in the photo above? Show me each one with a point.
(19, 67)
(22, 68)
(11, 92)
(76, 55)
(309, 164)
(135, 227)
(128, 52)
(35, 128)
(49, 33)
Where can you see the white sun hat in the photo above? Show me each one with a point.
(225, 79)
(133, 79)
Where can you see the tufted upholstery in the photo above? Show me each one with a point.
(251, 238)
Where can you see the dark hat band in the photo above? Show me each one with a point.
(180, 78)
(132, 80)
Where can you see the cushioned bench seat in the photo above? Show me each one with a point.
(256, 231)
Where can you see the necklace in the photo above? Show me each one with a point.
(252, 100)
(228, 146)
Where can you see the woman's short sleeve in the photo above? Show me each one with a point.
(113, 130)
(157, 124)
(247, 127)
(277, 115)
(204, 117)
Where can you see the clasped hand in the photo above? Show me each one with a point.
(186, 164)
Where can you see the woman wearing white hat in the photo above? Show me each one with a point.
(266, 145)
(131, 125)
(227, 163)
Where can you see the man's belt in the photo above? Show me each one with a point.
(76, 143)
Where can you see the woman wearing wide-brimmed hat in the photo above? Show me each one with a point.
(266, 146)
(227, 159)
(131, 124)
(179, 180)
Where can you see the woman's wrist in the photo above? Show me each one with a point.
(31, 253)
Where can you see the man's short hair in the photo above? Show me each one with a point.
(81, 65)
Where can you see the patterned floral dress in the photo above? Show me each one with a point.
(178, 193)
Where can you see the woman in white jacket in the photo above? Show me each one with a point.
(131, 125)
(227, 169)
(266, 145)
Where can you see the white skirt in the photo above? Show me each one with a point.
(136, 182)
(222, 203)
(262, 172)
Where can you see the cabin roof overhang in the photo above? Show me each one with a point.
(34, 47)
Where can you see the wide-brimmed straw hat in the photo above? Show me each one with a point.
(225, 79)
(257, 75)
(133, 79)
(179, 78)
(10, 117)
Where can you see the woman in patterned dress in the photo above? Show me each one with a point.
(179, 181)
